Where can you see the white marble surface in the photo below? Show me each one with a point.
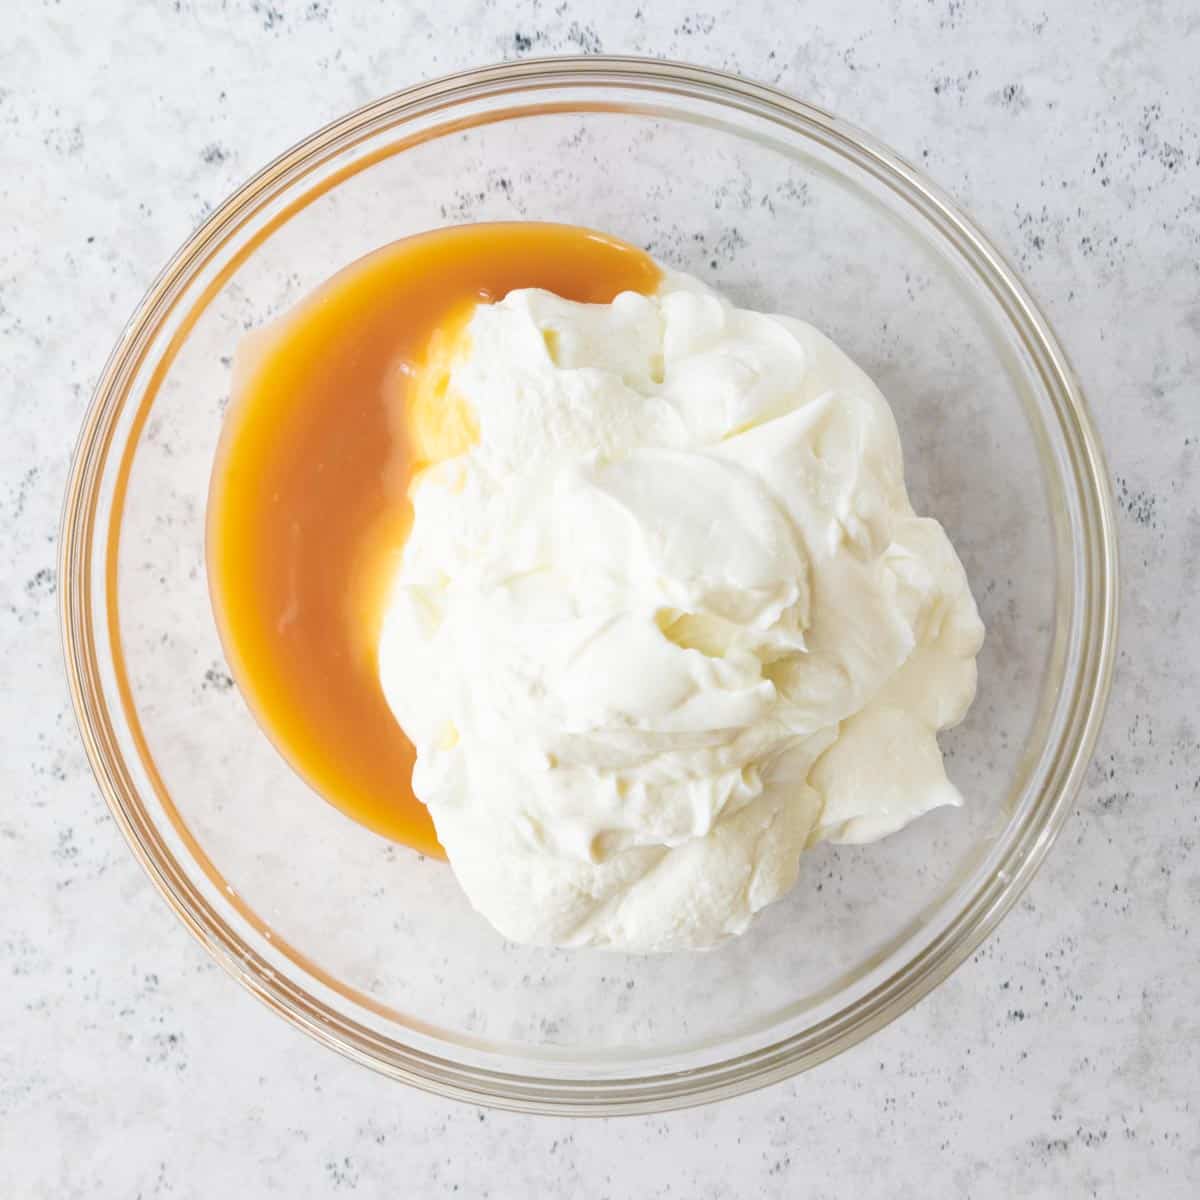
(1061, 1061)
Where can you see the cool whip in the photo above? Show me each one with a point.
(669, 621)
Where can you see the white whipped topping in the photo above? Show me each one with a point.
(670, 621)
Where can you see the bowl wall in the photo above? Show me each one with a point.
(371, 947)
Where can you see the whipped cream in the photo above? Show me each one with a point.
(669, 621)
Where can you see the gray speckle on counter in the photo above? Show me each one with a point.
(1062, 1061)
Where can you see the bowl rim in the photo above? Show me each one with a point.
(915, 977)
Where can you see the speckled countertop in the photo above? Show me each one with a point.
(1062, 1060)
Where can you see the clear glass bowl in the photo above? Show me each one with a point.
(372, 949)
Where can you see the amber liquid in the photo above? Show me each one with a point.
(308, 505)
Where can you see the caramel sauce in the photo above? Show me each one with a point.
(335, 407)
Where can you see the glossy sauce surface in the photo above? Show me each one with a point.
(334, 408)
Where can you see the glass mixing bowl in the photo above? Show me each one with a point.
(369, 947)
